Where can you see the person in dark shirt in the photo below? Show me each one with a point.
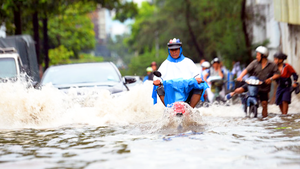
(283, 93)
(265, 71)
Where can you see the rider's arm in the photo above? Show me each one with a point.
(248, 69)
(244, 72)
(276, 75)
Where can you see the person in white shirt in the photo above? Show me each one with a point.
(205, 68)
(178, 66)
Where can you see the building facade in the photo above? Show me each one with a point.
(278, 21)
(99, 19)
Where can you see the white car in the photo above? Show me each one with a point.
(103, 75)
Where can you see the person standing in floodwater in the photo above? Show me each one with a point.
(283, 93)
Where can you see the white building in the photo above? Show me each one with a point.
(279, 22)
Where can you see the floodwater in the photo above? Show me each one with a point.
(48, 129)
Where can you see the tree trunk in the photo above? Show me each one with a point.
(187, 16)
(46, 46)
(17, 20)
(247, 39)
(36, 37)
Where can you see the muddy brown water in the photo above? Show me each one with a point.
(48, 129)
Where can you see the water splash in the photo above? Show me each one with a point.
(22, 106)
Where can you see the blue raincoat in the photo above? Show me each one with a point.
(179, 90)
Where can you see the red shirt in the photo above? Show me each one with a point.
(287, 71)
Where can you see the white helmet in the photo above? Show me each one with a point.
(215, 60)
(262, 50)
(205, 64)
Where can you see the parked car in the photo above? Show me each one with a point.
(104, 75)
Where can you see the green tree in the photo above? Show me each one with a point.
(139, 63)
(28, 16)
(143, 28)
(207, 28)
(84, 58)
(60, 55)
(73, 31)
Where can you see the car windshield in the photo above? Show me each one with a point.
(8, 68)
(81, 74)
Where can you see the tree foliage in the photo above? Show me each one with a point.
(60, 55)
(139, 64)
(73, 31)
(67, 20)
(207, 29)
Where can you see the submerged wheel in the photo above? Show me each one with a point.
(253, 109)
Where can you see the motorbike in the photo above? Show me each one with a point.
(250, 99)
(216, 87)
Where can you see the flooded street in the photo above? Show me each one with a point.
(48, 129)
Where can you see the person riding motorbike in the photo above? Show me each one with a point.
(215, 70)
(283, 93)
(205, 68)
(215, 76)
(265, 71)
(178, 66)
